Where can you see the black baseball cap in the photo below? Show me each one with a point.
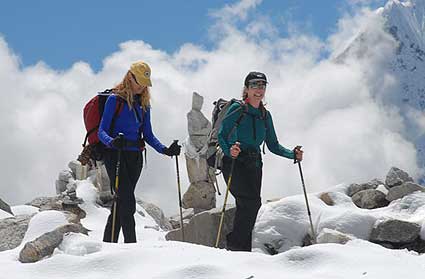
(255, 76)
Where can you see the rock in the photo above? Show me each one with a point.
(396, 177)
(157, 214)
(201, 192)
(326, 198)
(102, 182)
(198, 125)
(370, 199)
(5, 207)
(354, 188)
(333, 236)
(187, 215)
(64, 178)
(200, 195)
(73, 166)
(197, 169)
(398, 192)
(418, 246)
(60, 203)
(12, 231)
(203, 227)
(60, 186)
(44, 245)
(395, 231)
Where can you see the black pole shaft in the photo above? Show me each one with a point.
(306, 202)
(117, 179)
(180, 197)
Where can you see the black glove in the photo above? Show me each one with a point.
(173, 150)
(296, 148)
(118, 142)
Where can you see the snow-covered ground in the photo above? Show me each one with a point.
(81, 256)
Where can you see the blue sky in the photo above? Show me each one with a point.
(61, 33)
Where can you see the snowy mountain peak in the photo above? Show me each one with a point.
(409, 18)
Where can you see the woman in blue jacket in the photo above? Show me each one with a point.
(130, 104)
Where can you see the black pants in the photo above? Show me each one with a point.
(246, 188)
(130, 169)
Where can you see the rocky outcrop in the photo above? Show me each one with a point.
(187, 214)
(200, 196)
(60, 203)
(398, 184)
(157, 214)
(370, 199)
(44, 245)
(203, 227)
(395, 231)
(12, 231)
(396, 177)
(333, 236)
(5, 207)
(355, 188)
(398, 192)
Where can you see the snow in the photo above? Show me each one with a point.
(24, 210)
(283, 223)
(4, 214)
(286, 220)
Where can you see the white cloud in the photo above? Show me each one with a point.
(328, 108)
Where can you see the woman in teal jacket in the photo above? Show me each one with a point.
(243, 130)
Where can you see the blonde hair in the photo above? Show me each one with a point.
(123, 89)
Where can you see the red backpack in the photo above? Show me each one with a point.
(92, 115)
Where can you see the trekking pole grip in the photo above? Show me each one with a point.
(298, 147)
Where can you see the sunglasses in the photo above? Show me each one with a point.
(257, 85)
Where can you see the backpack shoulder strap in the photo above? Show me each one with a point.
(118, 108)
(244, 109)
(264, 113)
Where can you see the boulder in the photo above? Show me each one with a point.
(73, 167)
(326, 198)
(44, 245)
(197, 168)
(333, 236)
(370, 199)
(200, 195)
(198, 125)
(60, 203)
(157, 214)
(12, 231)
(187, 215)
(64, 178)
(5, 207)
(354, 188)
(398, 192)
(395, 231)
(203, 227)
(396, 177)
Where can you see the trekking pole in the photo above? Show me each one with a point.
(305, 196)
(229, 182)
(180, 194)
(117, 181)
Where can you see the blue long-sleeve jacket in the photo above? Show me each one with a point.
(127, 123)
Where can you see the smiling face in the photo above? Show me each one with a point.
(255, 92)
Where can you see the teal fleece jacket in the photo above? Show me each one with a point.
(251, 132)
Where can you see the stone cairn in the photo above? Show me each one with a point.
(201, 193)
